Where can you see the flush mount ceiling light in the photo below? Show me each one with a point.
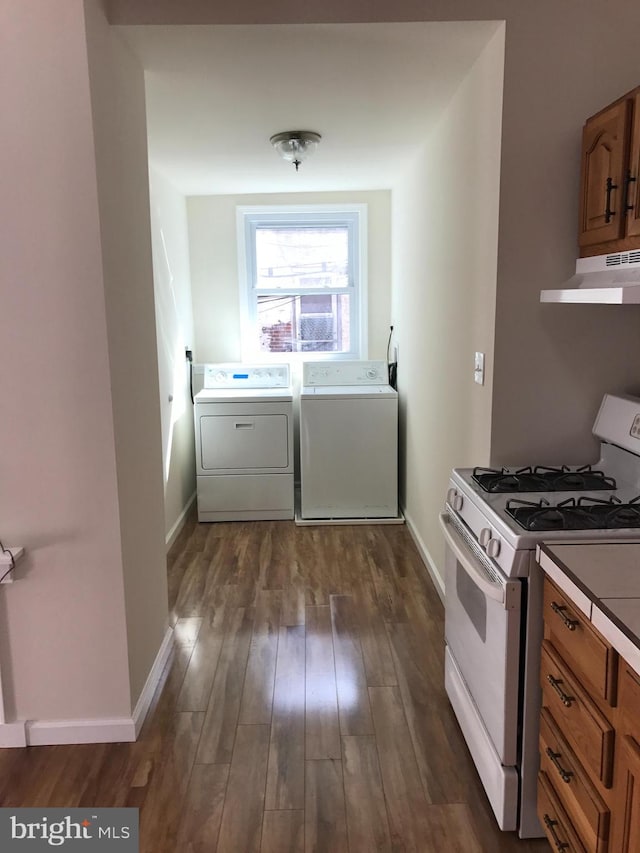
(295, 145)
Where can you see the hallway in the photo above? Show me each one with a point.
(303, 707)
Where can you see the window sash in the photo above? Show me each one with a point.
(355, 219)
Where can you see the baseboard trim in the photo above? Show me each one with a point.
(144, 700)
(13, 735)
(427, 559)
(172, 535)
(55, 732)
(106, 730)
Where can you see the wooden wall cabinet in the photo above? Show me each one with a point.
(609, 185)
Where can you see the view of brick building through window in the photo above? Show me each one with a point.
(302, 288)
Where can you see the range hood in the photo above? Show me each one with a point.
(604, 280)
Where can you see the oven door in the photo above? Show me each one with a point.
(482, 632)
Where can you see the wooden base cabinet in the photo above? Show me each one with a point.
(556, 822)
(578, 677)
(589, 781)
(626, 803)
(572, 786)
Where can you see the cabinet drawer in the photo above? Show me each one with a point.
(629, 699)
(589, 655)
(554, 819)
(587, 730)
(585, 807)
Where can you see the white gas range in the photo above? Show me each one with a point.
(492, 523)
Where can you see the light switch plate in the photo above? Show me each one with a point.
(478, 368)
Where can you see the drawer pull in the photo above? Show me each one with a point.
(550, 824)
(559, 609)
(564, 697)
(565, 775)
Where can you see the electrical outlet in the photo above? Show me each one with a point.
(478, 368)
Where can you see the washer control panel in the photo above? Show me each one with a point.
(246, 376)
(345, 373)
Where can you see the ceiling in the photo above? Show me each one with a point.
(215, 94)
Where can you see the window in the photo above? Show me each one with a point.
(302, 280)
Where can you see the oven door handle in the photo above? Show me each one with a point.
(481, 579)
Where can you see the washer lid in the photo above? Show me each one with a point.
(351, 392)
(244, 395)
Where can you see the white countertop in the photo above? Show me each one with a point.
(604, 581)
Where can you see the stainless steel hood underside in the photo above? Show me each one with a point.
(606, 280)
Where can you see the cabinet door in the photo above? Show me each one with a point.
(605, 141)
(626, 809)
(632, 175)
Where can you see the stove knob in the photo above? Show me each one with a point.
(454, 500)
(493, 548)
(485, 536)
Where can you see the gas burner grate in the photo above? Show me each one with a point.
(584, 513)
(542, 479)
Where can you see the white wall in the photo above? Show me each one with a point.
(445, 225)
(63, 635)
(174, 328)
(81, 461)
(214, 267)
(118, 103)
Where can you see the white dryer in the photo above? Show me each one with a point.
(348, 441)
(244, 443)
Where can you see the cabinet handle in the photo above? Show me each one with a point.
(627, 184)
(565, 775)
(559, 609)
(608, 213)
(550, 824)
(564, 697)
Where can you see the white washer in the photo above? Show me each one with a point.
(244, 443)
(348, 441)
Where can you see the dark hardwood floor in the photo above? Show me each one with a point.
(302, 709)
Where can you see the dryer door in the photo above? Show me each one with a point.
(243, 442)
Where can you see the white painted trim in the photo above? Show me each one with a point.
(144, 700)
(172, 535)
(12, 735)
(53, 732)
(105, 730)
(245, 215)
(427, 559)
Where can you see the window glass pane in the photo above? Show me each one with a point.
(314, 323)
(316, 303)
(299, 257)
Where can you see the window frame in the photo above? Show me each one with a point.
(249, 218)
